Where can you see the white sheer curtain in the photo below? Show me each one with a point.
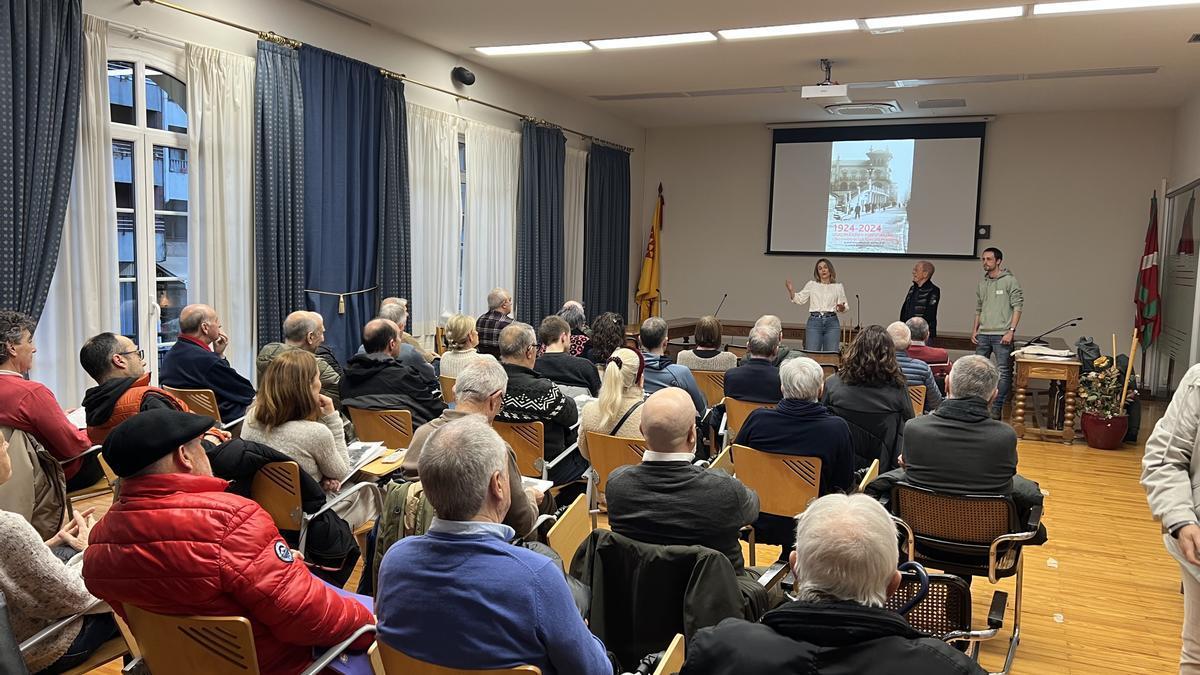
(220, 106)
(490, 245)
(84, 297)
(436, 208)
(574, 189)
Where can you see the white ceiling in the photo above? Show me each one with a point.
(1156, 37)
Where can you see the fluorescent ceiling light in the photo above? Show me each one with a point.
(793, 29)
(939, 18)
(654, 41)
(1104, 5)
(543, 48)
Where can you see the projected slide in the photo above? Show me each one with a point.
(870, 185)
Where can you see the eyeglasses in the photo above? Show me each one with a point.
(140, 352)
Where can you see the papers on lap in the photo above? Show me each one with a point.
(361, 454)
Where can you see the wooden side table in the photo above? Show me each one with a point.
(1043, 369)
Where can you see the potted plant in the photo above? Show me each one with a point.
(1102, 393)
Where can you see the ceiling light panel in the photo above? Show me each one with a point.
(942, 18)
(1049, 8)
(789, 30)
(543, 48)
(654, 41)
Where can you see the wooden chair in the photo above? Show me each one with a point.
(712, 384)
(672, 659)
(439, 340)
(109, 651)
(738, 350)
(723, 462)
(736, 412)
(785, 483)
(276, 488)
(447, 388)
(916, 394)
(392, 427)
(608, 453)
(208, 645)
(528, 441)
(101, 486)
(398, 663)
(872, 474)
(570, 530)
(203, 402)
(824, 358)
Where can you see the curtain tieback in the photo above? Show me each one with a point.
(341, 296)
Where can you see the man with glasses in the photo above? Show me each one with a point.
(197, 361)
(306, 331)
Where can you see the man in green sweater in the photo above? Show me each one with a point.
(998, 304)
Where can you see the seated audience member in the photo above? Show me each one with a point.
(303, 330)
(845, 565)
(757, 379)
(229, 559)
(530, 397)
(618, 410)
(557, 364)
(378, 380)
(784, 352)
(916, 372)
(572, 312)
(197, 361)
(489, 325)
(29, 406)
(464, 578)
(479, 390)
(937, 358)
(660, 371)
(40, 588)
(292, 414)
(463, 339)
(800, 426)
(708, 354)
(608, 335)
(960, 449)
(870, 393)
(396, 309)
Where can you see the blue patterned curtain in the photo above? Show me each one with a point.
(395, 235)
(342, 107)
(606, 232)
(540, 225)
(278, 188)
(41, 59)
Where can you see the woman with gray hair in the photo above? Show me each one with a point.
(572, 312)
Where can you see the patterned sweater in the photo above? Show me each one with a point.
(533, 398)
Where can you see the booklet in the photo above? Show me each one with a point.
(361, 454)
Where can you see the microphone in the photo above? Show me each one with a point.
(1066, 324)
(721, 305)
(858, 309)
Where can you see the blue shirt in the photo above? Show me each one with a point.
(661, 372)
(461, 596)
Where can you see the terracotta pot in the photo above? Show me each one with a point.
(1104, 434)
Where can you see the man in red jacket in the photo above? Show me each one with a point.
(175, 543)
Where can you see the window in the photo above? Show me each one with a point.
(148, 107)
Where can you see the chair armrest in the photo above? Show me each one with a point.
(774, 574)
(90, 451)
(1009, 539)
(995, 621)
(1035, 519)
(909, 538)
(55, 627)
(570, 448)
(226, 426)
(336, 651)
(995, 617)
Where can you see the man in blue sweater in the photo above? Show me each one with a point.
(461, 596)
(916, 371)
(197, 361)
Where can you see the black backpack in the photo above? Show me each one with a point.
(1087, 351)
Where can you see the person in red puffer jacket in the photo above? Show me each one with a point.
(175, 543)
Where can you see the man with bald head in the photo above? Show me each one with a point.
(923, 297)
(306, 331)
(197, 361)
(378, 380)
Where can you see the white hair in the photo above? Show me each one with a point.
(763, 341)
(918, 328)
(973, 375)
(845, 550)
(394, 311)
(900, 334)
(770, 320)
(299, 324)
(801, 378)
(496, 297)
(457, 464)
(479, 379)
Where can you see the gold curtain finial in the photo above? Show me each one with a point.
(280, 40)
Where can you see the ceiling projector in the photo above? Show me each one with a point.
(827, 92)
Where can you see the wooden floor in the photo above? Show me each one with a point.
(1102, 596)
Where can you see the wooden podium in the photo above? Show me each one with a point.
(1027, 369)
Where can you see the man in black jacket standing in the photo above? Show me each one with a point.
(378, 380)
(923, 297)
(845, 564)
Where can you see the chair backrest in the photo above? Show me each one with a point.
(945, 609)
(712, 384)
(871, 474)
(199, 401)
(973, 520)
(398, 663)
(672, 659)
(571, 529)
(447, 384)
(199, 645)
(824, 358)
(276, 488)
(916, 394)
(738, 350)
(610, 452)
(392, 427)
(785, 483)
(737, 411)
(439, 340)
(723, 462)
(528, 441)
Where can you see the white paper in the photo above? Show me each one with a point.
(361, 454)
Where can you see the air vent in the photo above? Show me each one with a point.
(745, 91)
(863, 109)
(934, 103)
(639, 97)
(1195, 39)
(1093, 72)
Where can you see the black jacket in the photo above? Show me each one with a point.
(922, 301)
(533, 398)
(754, 380)
(572, 371)
(189, 366)
(839, 638)
(380, 382)
(876, 416)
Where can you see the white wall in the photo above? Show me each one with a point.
(1066, 195)
(1185, 164)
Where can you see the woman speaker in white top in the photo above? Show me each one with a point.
(826, 298)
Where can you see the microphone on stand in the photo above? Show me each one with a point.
(721, 305)
(858, 309)
(1066, 324)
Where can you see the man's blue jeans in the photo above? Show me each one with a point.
(989, 344)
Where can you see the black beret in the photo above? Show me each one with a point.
(147, 437)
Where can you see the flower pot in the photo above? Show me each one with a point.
(1104, 434)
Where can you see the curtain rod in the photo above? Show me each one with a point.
(295, 44)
